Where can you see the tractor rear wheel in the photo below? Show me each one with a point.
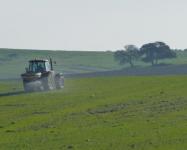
(59, 82)
(49, 83)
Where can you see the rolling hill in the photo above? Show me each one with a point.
(13, 61)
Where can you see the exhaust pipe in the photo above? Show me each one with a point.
(51, 63)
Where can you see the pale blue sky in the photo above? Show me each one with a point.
(91, 24)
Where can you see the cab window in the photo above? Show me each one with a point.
(36, 66)
(47, 65)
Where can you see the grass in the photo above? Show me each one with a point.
(141, 113)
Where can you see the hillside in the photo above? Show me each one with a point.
(13, 62)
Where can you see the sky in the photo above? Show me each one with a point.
(93, 25)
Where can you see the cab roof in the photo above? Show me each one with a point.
(39, 60)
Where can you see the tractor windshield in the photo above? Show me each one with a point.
(37, 66)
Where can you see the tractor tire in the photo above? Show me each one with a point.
(59, 82)
(26, 88)
(41, 87)
(48, 83)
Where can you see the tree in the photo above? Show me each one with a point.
(128, 55)
(152, 52)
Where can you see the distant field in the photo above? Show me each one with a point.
(13, 62)
(103, 113)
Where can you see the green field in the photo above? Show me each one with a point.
(13, 62)
(117, 113)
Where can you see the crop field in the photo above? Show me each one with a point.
(100, 113)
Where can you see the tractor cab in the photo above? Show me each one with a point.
(36, 66)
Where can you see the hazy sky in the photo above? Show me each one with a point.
(91, 24)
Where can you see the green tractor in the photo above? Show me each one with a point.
(40, 76)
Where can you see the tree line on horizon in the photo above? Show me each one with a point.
(148, 53)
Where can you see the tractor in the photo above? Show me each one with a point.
(40, 76)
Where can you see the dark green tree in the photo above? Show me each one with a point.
(129, 55)
(152, 52)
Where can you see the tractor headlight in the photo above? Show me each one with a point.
(38, 74)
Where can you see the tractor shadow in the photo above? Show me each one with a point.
(12, 93)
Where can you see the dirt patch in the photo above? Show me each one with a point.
(40, 113)
(108, 109)
(150, 108)
(14, 105)
(165, 106)
(10, 131)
